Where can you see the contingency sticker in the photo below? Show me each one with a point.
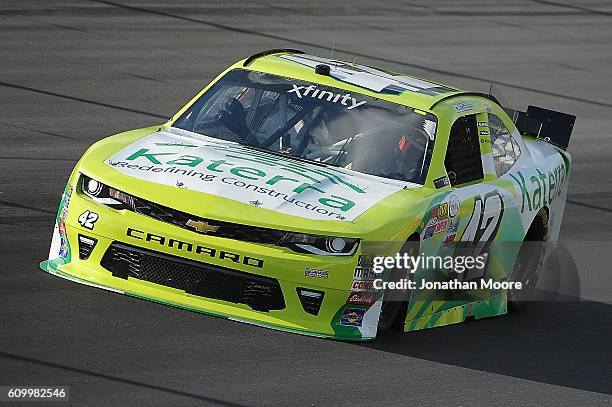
(352, 317)
(222, 168)
(60, 248)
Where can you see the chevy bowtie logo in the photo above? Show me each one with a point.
(201, 226)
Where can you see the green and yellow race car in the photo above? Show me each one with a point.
(271, 195)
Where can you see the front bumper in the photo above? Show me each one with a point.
(137, 233)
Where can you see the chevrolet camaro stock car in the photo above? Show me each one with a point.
(265, 199)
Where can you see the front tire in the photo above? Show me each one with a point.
(395, 302)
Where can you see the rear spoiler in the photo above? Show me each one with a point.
(547, 125)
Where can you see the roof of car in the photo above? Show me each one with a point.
(395, 87)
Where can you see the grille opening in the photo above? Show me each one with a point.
(311, 300)
(86, 246)
(196, 278)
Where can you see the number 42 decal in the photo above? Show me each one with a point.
(87, 219)
(481, 230)
(485, 220)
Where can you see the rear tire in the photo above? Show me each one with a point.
(529, 262)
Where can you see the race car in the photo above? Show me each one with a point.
(268, 198)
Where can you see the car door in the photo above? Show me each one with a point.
(465, 218)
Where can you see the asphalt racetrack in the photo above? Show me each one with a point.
(72, 73)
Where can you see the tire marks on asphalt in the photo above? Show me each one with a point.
(9, 204)
(353, 53)
(116, 379)
(46, 133)
(82, 100)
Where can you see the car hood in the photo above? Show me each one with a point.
(187, 163)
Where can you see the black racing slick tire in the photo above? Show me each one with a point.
(395, 302)
(529, 262)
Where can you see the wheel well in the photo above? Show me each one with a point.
(398, 324)
(415, 237)
(538, 230)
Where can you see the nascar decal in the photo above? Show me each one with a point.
(232, 171)
(370, 78)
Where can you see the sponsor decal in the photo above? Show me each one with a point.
(177, 144)
(463, 107)
(483, 124)
(430, 227)
(367, 77)
(352, 317)
(63, 251)
(454, 204)
(314, 273)
(442, 217)
(432, 222)
(59, 243)
(484, 133)
(255, 203)
(429, 232)
(364, 273)
(64, 211)
(236, 172)
(541, 188)
(450, 238)
(183, 246)
(201, 226)
(441, 182)
(365, 260)
(313, 92)
(441, 226)
(362, 285)
(361, 298)
(454, 225)
(442, 211)
(88, 219)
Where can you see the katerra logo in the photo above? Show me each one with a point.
(541, 188)
(221, 166)
(315, 93)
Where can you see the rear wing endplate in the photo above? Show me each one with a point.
(547, 125)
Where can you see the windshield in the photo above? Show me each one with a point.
(318, 123)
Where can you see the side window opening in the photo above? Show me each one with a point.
(463, 160)
(505, 148)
